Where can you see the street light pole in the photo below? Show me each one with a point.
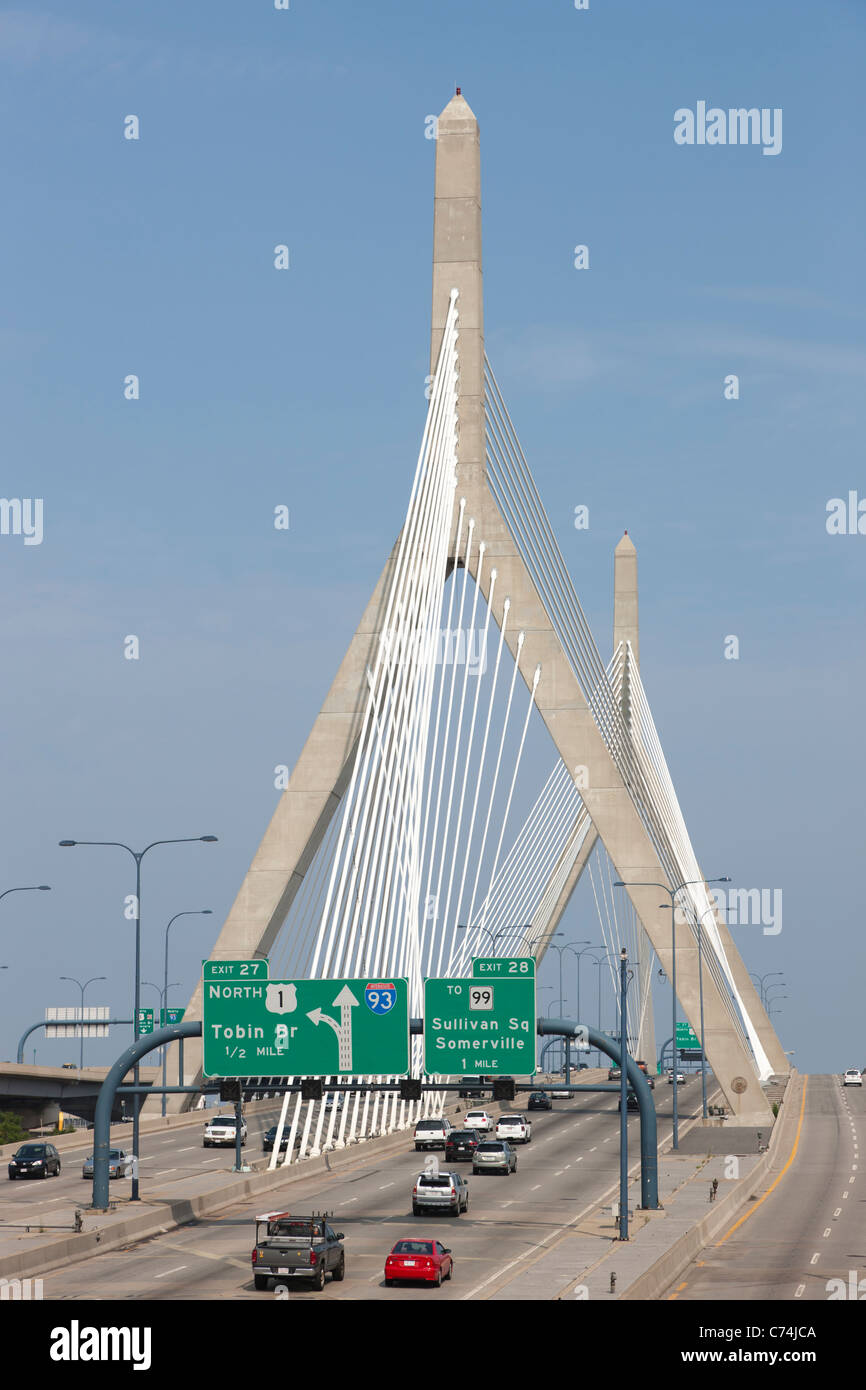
(28, 888)
(191, 912)
(137, 855)
(623, 1100)
(82, 987)
(761, 978)
(689, 883)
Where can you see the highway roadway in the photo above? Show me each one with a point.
(571, 1161)
(175, 1153)
(810, 1228)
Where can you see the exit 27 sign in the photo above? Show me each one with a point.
(254, 1027)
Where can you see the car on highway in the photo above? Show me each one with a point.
(613, 1073)
(448, 1192)
(296, 1247)
(539, 1101)
(680, 1078)
(422, 1261)
(852, 1077)
(34, 1161)
(269, 1138)
(461, 1143)
(432, 1134)
(222, 1130)
(120, 1164)
(514, 1127)
(631, 1101)
(494, 1155)
(339, 1101)
(481, 1120)
(647, 1073)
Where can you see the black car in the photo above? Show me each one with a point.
(630, 1100)
(35, 1161)
(270, 1135)
(539, 1101)
(462, 1143)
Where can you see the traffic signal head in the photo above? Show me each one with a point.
(410, 1089)
(312, 1088)
(231, 1091)
(503, 1088)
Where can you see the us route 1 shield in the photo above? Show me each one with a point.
(306, 1027)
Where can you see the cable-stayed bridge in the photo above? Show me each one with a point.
(476, 752)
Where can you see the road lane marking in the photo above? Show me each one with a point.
(536, 1187)
(838, 1211)
(166, 1272)
(559, 1173)
(814, 1259)
(384, 1185)
(507, 1204)
(593, 1149)
(165, 1172)
(827, 1232)
(851, 1180)
(791, 1158)
(348, 1200)
(187, 1150)
(800, 1290)
(844, 1195)
(678, 1291)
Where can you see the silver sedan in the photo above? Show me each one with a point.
(119, 1164)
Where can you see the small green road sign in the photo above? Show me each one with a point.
(169, 1016)
(475, 1025)
(145, 1021)
(306, 1027)
(234, 969)
(503, 968)
(686, 1035)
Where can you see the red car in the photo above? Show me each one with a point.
(427, 1260)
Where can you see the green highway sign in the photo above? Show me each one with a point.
(686, 1036)
(234, 969)
(476, 1025)
(305, 1027)
(503, 967)
(169, 1016)
(145, 1021)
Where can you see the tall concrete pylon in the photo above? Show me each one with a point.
(321, 774)
(626, 631)
(457, 263)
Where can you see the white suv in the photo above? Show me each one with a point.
(478, 1119)
(432, 1134)
(513, 1127)
(223, 1130)
(852, 1077)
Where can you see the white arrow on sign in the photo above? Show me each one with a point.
(343, 1029)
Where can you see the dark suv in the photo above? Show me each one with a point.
(462, 1143)
(539, 1101)
(35, 1161)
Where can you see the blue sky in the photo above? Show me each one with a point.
(155, 257)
